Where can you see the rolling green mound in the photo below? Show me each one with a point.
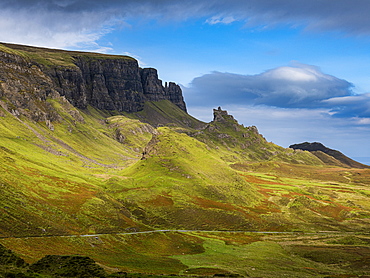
(155, 191)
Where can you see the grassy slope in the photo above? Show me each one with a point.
(181, 183)
(53, 181)
(87, 187)
(55, 57)
(86, 176)
(200, 253)
(163, 112)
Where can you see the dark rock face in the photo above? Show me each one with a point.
(154, 91)
(69, 83)
(24, 88)
(114, 84)
(174, 93)
(306, 146)
(152, 86)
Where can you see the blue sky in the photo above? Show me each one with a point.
(298, 70)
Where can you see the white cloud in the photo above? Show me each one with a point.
(363, 121)
(294, 86)
(53, 28)
(70, 23)
(220, 20)
(297, 86)
(290, 74)
(357, 106)
(349, 100)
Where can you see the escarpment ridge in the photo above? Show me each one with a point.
(30, 75)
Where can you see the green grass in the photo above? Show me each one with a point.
(164, 112)
(54, 57)
(100, 172)
(246, 254)
(79, 178)
(181, 172)
(134, 253)
(51, 179)
(8, 50)
(350, 240)
(262, 258)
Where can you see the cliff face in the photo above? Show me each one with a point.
(24, 88)
(154, 90)
(102, 81)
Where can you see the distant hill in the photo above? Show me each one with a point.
(329, 156)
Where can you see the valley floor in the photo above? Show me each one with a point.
(206, 253)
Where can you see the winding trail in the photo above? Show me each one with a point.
(178, 231)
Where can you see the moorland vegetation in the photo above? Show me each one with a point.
(87, 190)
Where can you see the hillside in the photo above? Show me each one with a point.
(329, 156)
(99, 159)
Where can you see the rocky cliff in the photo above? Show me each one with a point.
(31, 75)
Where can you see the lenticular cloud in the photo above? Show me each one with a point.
(295, 86)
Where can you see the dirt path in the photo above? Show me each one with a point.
(179, 231)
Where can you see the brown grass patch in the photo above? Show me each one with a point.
(265, 207)
(327, 208)
(254, 179)
(335, 211)
(205, 203)
(266, 191)
(207, 271)
(160, 201)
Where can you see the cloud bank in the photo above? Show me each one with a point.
(67, 23)
(296, 86)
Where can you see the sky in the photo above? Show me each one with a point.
(298, 70)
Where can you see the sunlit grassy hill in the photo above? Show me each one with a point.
(96, 173)
(52, 181)
(157, 191)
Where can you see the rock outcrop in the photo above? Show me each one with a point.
(106, 82)
(154, 90)
(220, 115)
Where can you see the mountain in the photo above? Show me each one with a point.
(100, 160)
(328, 156)
(30, 75)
